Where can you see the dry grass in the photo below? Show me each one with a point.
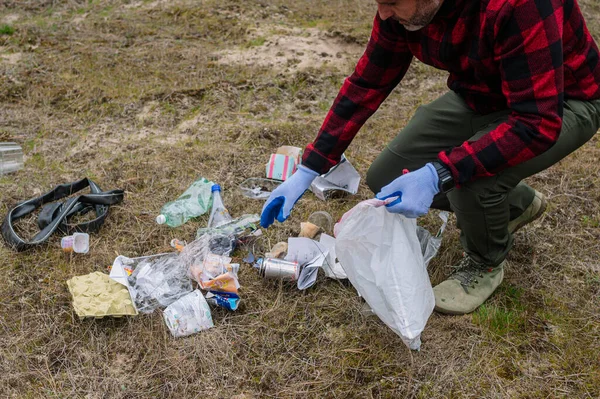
(134, 94)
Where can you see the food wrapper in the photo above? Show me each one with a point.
(341, 179)
(212, 267)
(188, 315)
(308, 230)
(226, 282)
(227, 300)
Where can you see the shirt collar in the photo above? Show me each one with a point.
(449, 8)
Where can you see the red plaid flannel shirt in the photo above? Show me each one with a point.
(524, 55)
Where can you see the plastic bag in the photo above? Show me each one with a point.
(258, 188)
(430, 244)
(188, 315)
(158, 282)
(382, 257)
(194, 254)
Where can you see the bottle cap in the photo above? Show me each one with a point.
(215, 187)
(161, 219)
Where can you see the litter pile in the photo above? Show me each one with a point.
(383, 255)
(201, 273)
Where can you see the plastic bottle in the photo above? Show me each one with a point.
(219, 215)
(194, 202)
(11, 158)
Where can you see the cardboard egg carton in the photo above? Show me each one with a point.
(96, 295)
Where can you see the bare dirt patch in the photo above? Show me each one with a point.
(10, 18)
(292, 50)
(10, 58)
(149, 5)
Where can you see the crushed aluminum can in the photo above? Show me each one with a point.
(278, 269)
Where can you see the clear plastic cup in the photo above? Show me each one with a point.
(323, 220)
(78, 243)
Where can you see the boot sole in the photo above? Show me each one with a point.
(452, 313)
(539, 213)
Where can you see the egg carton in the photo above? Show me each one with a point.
(96, 295)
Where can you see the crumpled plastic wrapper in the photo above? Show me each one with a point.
(234, 229)
(158, 282)
(188, 315)
(258, 188)
(97, 295)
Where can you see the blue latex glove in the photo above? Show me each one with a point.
(283, 198)
(415, 192)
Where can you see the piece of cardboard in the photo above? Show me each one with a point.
(280, 167)
(97, 295)
(293, 152)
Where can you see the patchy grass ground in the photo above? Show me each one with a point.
(147, 96)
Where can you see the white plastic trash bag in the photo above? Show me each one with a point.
(382, 256)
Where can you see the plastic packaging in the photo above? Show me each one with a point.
(323, 220)
(342, 179)
(196, 252)
(219, 215)
(226, 282)
(430, 244)
(178, 244)
(234, 229)
(158, 282)
(382, 257)
(227, 300)
(78, 243)
(194, 202)
(258, 188)
(11, 158)
(331, 266)
(188, 315)
(211, 267)
(309, 230)
(279, 251)
(123, 267)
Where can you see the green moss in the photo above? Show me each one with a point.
(6, 30)
(259, 41)
(507, 317)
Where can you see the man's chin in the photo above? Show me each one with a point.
(413, 28)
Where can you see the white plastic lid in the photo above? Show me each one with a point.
(161, 219)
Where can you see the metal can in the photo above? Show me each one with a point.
(278, 269)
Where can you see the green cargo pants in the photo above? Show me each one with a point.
(483, 207)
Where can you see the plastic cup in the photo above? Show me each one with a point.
(323, 220)
(78, 243)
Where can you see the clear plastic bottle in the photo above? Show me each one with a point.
(11, 158)
(194, 202)
(219, 215)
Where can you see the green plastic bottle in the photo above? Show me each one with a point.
(194, 202)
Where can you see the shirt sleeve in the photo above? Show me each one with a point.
(377, 73)
(528, 49)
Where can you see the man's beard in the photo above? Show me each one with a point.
(422, 18)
